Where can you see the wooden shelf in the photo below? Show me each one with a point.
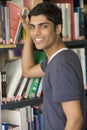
(70, 44)
(9, 46)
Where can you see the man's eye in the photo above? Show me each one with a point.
(31, 27)
(44, 26)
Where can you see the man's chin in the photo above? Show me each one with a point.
(39, 48)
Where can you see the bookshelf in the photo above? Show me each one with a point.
(36, 101)
(76, 43)
(70, 44)
(22, 103)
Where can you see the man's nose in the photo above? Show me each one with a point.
(37, 31)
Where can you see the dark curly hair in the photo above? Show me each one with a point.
(51, 11)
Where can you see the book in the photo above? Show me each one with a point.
(15, 23)
(29, 111)
(39, 57)
(39, 120)
(76, 25)
(21, 88)
(3, 24)
(66, 16)
(25, 93)
(72, 13)
(85, 19)
(0, 25)
(33, 87)
(16, 117)
(81, 54)
(13, 77)
(7, 25)
(4, 85)
(31, 3)
(18, 2)
(13, 127)
(79, 21)
(4, 126)
(78, 3)
(39, 90)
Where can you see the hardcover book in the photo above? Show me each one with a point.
(13, 76)
(16, 117)
(31, 3)
(0, 24)
(7, 25)
(39, 57)
(15, 23)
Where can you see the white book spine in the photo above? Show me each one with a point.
(39, 88)
(22, 86)
(28, 88)
(15, 80)
(24, 124)
(76, 25)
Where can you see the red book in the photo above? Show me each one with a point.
(72, 13)
(31, 3)
(15, 23)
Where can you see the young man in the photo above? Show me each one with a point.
(63, 100)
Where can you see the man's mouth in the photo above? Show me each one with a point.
(38, 40)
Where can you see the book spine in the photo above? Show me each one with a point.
(19, 93)
(80, 22)
(4, 126)
(76, 25)
(7, 25)
(25, 94)
(24, 124)
(4, 86)
(16, 38)
(34, 87)
(14, 81)
(3, 25)
(0, 25)
(39, 91)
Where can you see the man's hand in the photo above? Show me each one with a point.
(25, 20)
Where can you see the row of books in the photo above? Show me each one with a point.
(78, 17)
(10, 24)
(11, 30)
(81, 52)
(26, 118)
(15, 86)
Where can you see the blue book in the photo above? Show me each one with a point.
(5, 126)
(3, 24)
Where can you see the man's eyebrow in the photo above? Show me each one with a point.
(39, 23)
(43, 23)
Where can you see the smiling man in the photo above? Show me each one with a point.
(63, 101)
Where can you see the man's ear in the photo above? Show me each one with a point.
(58, 29)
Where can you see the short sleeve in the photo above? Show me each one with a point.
(43, 65)
(65, 84)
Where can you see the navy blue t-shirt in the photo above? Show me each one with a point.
(63, 81)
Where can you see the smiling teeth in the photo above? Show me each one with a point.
(38, 39)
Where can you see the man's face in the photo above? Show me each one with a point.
(42, 32)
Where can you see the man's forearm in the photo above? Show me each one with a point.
(27, 54)
(76, 125)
